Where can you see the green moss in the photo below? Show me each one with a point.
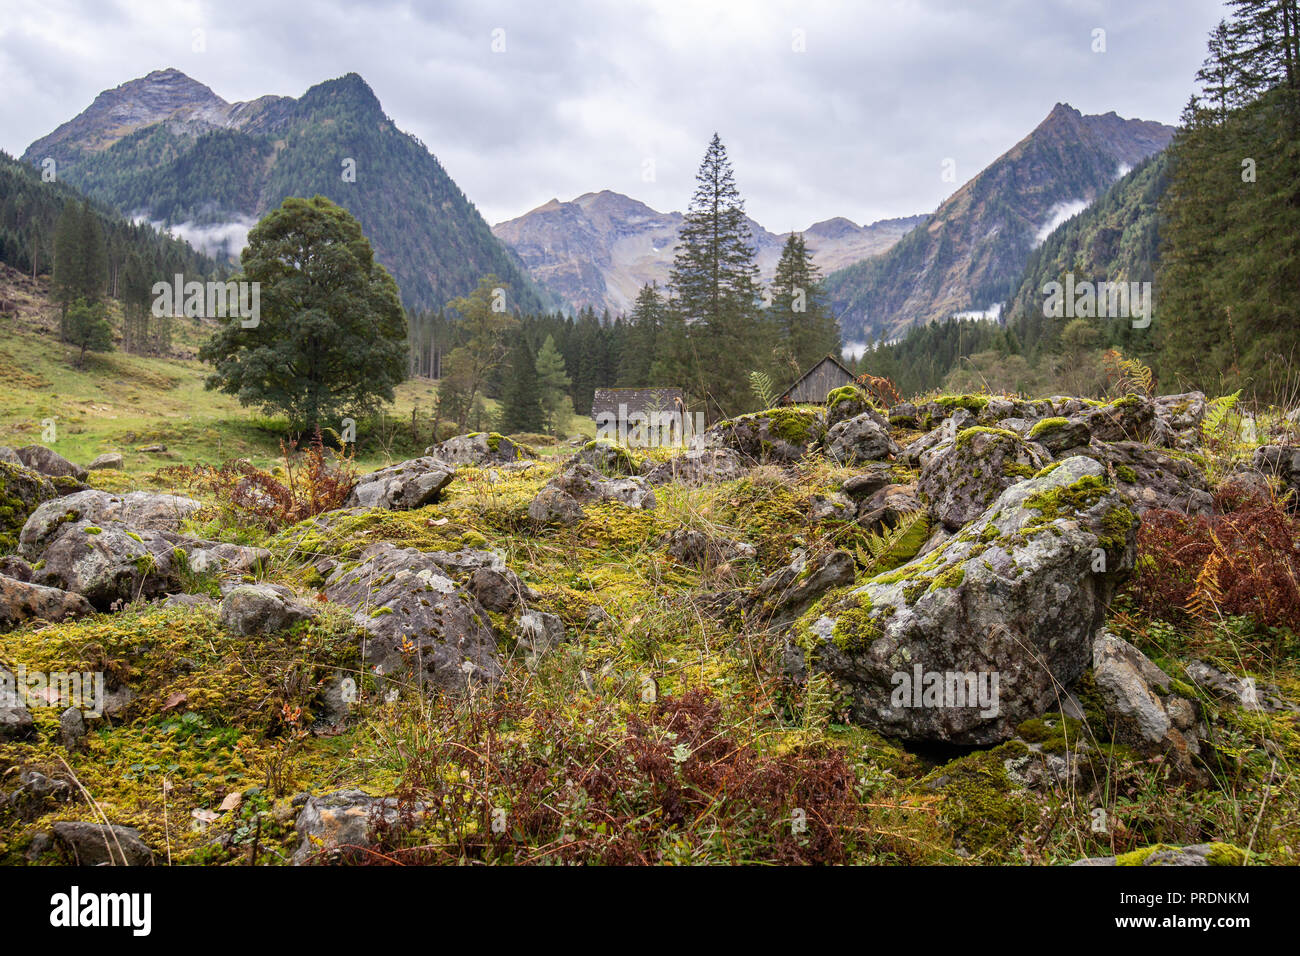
(1126, 474)
(845, 393)
(966, 434)
(1055, 732)
(91, 529)
(1225, 854)
(978, 803)
(381, 611)
(951, 578)
(1139, 857)
(855, 627)
(972, 403)
(1048, 425)
(795, 426)
(1017, 469)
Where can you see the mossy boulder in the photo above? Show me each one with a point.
(607, 457)
(862, 438)
(776, 435)
(966, 642)
(22, 490)
(480, 448)
(404, 486)
(960, 481)
(848, 401)
(421, 623)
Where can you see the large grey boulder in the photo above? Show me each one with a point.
(998, 618)
(585, 485)
(1138, 702)
(21, 601)
(262, 609)
(49, 462)
(1151, 477)
(137, 511)
(109, 460)
(423, 627)
(959, 482)
(115, 563)
(776, 435)
(22, 491)
(402, 487)
(862, 438)
(698, 466)
(787, 592)
(93, 844)
(480, 448)
(607, 457)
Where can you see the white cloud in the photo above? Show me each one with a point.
(856, 126)
(1057, 215)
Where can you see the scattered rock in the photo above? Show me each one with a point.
(553, 506)
(1015, 598)
(262, 609)
(786, 593)
(607, 458)
(339, 825)
(776, 435)
(72, 728)
(404, 486)
(417, 617)
(698, 466)
(137, 511)
(1200, 854)
(108, 460)
(862, 438)
(585, 485)
(93, 844)
(480, 448)
(15, 719)
(962, 480)
(21, 601)
(539, 632)
(700, 550)
(49, 462)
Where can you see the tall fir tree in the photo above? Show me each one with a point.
(521, 406)
(715, 288)
(799, 310)
(553, 384)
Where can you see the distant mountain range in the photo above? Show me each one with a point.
(970, 255)
(168, 149)
(599, 249)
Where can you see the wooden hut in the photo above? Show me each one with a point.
(813, 385)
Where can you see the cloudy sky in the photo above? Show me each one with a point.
(827, 109)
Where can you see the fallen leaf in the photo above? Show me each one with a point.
(232, 802)
(174, 700)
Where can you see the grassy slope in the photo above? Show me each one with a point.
(123, 402)
(216, 714)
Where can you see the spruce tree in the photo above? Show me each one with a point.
(553, 383)
(521, 408)
(804, 321)
(715, 287)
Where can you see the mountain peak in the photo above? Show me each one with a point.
(350, 87)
